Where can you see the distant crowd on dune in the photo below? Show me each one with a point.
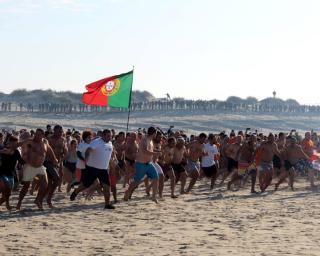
(267, 106)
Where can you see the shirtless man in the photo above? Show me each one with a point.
(130, 157)
(195, 152)
(246, 163)
(34, 152)
(166, 163)
(231, 153)
(157, 142)
(276, 160)
(144, 166)
(178, 163)
(299, 160)
(59, 146)
(120, 146)
(307, 144)
(267, 151)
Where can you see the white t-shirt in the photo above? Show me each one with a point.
(82, 147)
(207, 161)
(100, 155)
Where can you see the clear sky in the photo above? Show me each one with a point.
(197, 49)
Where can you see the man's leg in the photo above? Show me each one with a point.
(23, 193)
(283, 176)
(172, 178)
(183, 181)
(194, 175)
(311, 177)
(213, 179)
(128, 193)
(161, 185)
(106, 194)
(291, 178)
(253, 181)
(43, 186)
(53, 183)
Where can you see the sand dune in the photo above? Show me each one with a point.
(217, 222)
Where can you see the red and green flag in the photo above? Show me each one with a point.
(113, 91)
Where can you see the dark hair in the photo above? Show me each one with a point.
(73, 141)
(13, 139)
(56, 127)
(202, 135)
(171, 139)
(40, 130)
(86, 134)
(106, 131)
(151, 130)
(211, 136)
(121, 133)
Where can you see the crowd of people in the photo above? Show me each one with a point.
(44, 160)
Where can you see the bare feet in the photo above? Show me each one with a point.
(39, 204)
(154, 200)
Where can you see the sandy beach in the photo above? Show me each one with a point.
(190, 121)
(217, 222)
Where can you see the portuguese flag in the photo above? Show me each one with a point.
(113, 91)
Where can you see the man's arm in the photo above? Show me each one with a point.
(51, 154)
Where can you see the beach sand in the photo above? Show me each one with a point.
(190, 121)
(217, 222)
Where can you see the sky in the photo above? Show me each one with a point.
(196, 49)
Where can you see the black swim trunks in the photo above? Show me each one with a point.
(178, 168)
(232, 164)
(90, 174)
(210, 171)
(276, 162)
(51, 170)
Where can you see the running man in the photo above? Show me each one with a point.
(195, 152)
(97, 156)
(144, 166)
(34, 153)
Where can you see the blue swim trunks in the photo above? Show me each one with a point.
(302, 165)
(8, 180)
(143, 169)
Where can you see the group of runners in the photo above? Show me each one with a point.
(90, 162)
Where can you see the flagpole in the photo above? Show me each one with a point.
(130, 102)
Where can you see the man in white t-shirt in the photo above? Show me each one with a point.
(97, 156)
(208, 161)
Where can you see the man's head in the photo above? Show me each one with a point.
(212, 138)
(281, 136)
(120, 137)
(57, 131)
(1, 138)
(152, 132)
(87, 136)
(13, 142)
(180, 142)
(172, 142)
(271, 138)
(158, 137)
(39, 135)
(239, 139)
(202, 137)
(292, 141)
(308, 135)
(133, 136)
(106, 135)
(49, 129)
